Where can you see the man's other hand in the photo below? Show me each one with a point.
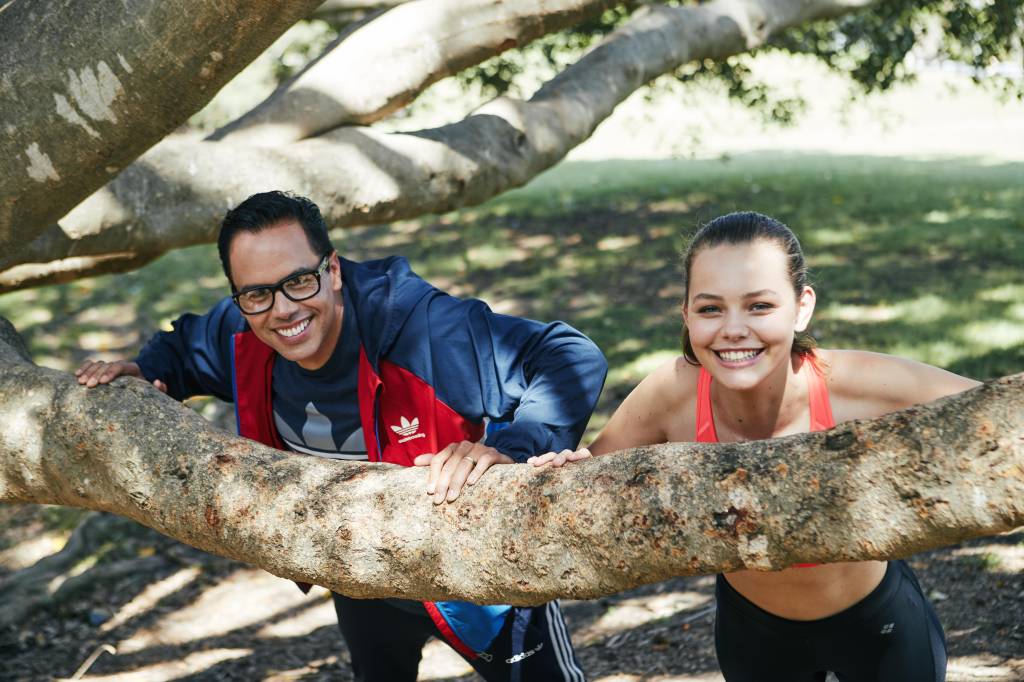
(95, 372)
(456, 465)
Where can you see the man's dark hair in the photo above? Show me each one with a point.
(268, 209)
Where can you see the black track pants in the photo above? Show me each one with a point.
(385, 643)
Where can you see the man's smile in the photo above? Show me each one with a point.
(294, 330)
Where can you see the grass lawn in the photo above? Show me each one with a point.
(919, 258)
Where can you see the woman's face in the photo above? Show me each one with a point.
(741, 311)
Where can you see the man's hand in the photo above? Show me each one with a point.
(557, 459)
(95, 372)
(456, 465)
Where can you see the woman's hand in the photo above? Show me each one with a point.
(559, 458)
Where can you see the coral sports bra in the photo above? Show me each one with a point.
(817, 390)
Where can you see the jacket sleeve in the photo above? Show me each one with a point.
(194, 358)
(558, 373)
(542, 380)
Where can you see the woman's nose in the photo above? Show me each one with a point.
(735, 327)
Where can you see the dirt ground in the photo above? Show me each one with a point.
(187, 615)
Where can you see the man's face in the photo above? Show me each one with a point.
(304, 332)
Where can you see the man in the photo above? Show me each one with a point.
(357, 361)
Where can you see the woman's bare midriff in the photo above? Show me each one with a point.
(809, 593)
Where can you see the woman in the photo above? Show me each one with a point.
(749, 371)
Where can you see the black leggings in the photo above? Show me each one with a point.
(892, 635)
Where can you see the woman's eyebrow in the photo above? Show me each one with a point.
(753, 294)
(708, 297)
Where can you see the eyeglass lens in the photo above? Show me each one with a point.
(298, 288)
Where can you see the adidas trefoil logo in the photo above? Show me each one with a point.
(408, 429)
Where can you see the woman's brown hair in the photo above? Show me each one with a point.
(743, 228)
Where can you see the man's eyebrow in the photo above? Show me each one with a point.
(296, 271)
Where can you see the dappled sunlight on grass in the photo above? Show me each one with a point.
(991, 334)
(984, 668)
(255, 597)
(632, 613)
(1006, 293)
(190, 664)
(927, 308)
(640, 366)
(922, 258)
(305, 621)
(150, 596)
(939, 353)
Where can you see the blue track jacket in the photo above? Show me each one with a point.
(432, 368)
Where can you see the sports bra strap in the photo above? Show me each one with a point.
(705, 420)
(817, 389)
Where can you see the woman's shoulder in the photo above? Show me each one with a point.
(675, 379)
(657, 410)
(883, 383)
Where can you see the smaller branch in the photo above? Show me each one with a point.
(178, 192)
(84, 668)
(381, 65)
(69, 269)
(347, 12)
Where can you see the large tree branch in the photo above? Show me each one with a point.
(110, 80)
(382, 65)
(177, 193)
(926, 477)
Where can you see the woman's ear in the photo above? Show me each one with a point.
(805, 308)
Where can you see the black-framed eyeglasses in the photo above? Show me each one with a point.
(297, 287)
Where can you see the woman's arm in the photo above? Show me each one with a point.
(866, 385)
(643, 417)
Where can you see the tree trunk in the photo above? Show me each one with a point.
(85, 91)
(176, 194)
(914, 480)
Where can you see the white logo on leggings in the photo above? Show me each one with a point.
(525, 654)
(887, 628)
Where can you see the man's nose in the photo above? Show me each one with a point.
(283, 306)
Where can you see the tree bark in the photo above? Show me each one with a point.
(176, 194)
(384, 64)
(923, 478)
(109, 80)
